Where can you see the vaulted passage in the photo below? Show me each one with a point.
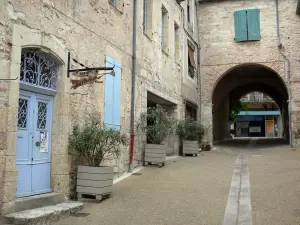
(239, 81)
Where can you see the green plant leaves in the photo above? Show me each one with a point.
(157, 124)
(93, 141)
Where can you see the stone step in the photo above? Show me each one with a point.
(37, 201)
(44, 215)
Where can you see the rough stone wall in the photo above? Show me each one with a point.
(220, 53)
(90, 30)
(158, 71)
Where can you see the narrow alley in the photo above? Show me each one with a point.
(194, 190)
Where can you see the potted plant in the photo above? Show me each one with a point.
(91, 143)
(191, 133)
(157, 125)
(207, 147)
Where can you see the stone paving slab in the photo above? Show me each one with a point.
(275, 186)
(188, 190)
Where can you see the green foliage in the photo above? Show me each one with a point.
(157, 124)
(93, 141)
(240, 106)
(207, 147)
(190, 130)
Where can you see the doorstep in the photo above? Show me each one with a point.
(45, 215)
(40, 209)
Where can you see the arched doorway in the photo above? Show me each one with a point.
(38, 80)
(239, 81)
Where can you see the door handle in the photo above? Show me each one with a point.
(37, 143)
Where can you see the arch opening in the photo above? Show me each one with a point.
(236, 84)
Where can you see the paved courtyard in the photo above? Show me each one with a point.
(241, 182)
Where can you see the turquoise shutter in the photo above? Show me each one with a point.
(253, 22)
(113, 95)
(240, 22)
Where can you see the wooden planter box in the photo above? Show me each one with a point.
(95, 181)
(190, 148)
(155, 154)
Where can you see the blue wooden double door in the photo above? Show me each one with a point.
(34, 143)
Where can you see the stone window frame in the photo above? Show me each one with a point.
(148, 18)
(117, 4)
(164, 30)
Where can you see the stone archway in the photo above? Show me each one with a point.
(238, 81)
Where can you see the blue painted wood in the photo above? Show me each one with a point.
(240, 22)
(41, 178)
(109, 94)
(117, 98)
(113, 95)
(253, 23)
(33, 165)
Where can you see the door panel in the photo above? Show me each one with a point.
(42, 130)
(41, 178)
(33, 157)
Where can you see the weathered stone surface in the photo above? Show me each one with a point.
(45, 215)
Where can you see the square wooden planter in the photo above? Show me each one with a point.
(190, 148)
(94, 181)
(155, 154)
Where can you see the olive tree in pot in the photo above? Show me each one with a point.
(157, 125)
(190, 133)
(90, 143)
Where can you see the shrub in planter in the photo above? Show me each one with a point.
(207, 147)
(90, 144)
(190, 134)
(157, 125)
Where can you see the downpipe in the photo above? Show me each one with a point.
(133, 76)
(279, 45)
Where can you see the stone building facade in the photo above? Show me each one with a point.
(230, 69)
(97, 33)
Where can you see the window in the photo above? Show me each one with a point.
(38, 69)
(191, 60)
(190, 111)
(118, 4)
(177, 41)
(164, 29)
(147, 23)
(247, 25)
(113, 95)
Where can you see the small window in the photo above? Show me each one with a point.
(147, 18)
(191, 61)
(177, 41)
(190, 111)
(247, 25)
(118, 4)
(164, 29)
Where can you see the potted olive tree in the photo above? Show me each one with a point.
(190, 133)
(91, 143)
(157, 126)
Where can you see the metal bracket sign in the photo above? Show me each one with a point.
(85, 69)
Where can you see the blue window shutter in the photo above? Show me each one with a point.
(253, 22)
(113, 95)
(109, 95)
(117, 98)
(240, 22)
